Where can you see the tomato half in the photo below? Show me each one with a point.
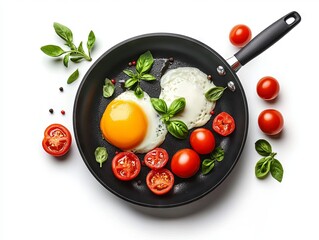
(57, 140)
(126, 166)
(202, 141)
(185, 163)
(268, 88)
(271, 121)
(156, 158)
(160, 181)
(240, 35)
(224, 124)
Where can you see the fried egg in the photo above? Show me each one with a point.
(132, 124)
(192, 84)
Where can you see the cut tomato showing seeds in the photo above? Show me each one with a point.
(160, 181)
(224, 124)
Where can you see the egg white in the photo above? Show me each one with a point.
(192, 84)
(156, 129)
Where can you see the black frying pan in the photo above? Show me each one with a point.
(89, 106)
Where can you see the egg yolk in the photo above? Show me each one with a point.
(124, 124)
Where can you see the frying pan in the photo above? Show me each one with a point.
(90, 104)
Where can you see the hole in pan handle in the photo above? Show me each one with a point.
(264, 40)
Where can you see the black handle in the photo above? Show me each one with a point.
(267, 37)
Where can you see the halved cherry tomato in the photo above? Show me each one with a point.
(268, 88)
(126, 166)
(224, 124)
(160, 181)
(57, 140)
(240, 35)
(270, 121)
(202, 141)
(156, 158)
(185, 163)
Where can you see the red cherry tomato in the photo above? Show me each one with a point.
(268, 88)
(57, 140)
(185, 163)
(224, 124)
(160, 181)
(240, 35)
(271, 121)
(202, 141)
(156, 158)
(126, 166)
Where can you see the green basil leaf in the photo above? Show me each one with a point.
(147, 77)
(66, 60)
(262, 167)
(129, 73)
(64, 32)
(80, 48)
(207, 166)
(52, 50)
(129, 83)
(108, 88)
(101, 155)
(74, 76)
(218, 154)
(263, 147)
(76, 59)
(144, 62)
(176, 106)
(91, 41)
(159, 105)
(276, 170)
(177, 128)
(139, 93)
(214, 93)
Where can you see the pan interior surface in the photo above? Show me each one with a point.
(90, 104)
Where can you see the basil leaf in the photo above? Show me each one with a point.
(144, 62)
(147, 77)
(52, 50)
(130, 82)
(101, 155)
(91, 41)
(139, 92)
(129, 73)
(66, 60)
(176, 106)
(80, 48)
(263, 147)
(276, 170)
(262, 167)
(159, 105)
(178, 129)
(76, 59)
(64, 32)
(74, 76)
(108, 88)
(218, 154)
(214, 93)
(207, 165)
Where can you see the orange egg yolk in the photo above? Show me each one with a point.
(124, 124)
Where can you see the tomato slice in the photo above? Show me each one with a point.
(224, 124)
(156, 158)
(160, 181)
(57, 140)
(126, 166)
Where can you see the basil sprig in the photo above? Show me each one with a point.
(214, 93)
(101, 155)
(268, 163)
(108, 88)
(209, 163)
(143, 66)
(175, 127)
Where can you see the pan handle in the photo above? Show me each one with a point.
(264, 40)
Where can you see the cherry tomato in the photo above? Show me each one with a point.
(268, 88)
(185, 163)
(240, 35)
(202, 141)
(126, 166)
(57, 140)
(224, 124)
(271, 121)
(160, 181)
(156, 158)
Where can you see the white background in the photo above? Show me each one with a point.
(44, 198)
